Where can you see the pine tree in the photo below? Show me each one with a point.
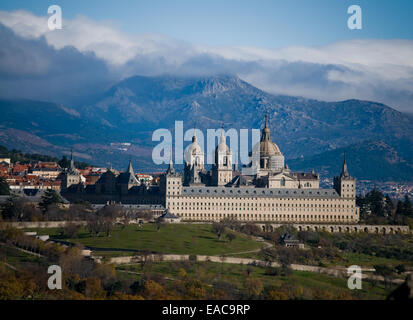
(399, 208)
(407, 207)
(375, 199)
(64, 163)
(50, 197)
(388, 206)
(4, 187)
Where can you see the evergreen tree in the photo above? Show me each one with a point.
(4, 187)
(388, 206)
(50, 197)
(362, 204)
(399, 208)
(13, 208)
(407, 207)
(64, 163)
(375, 199)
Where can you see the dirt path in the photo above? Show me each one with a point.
(340, 272)
(266, 245)
(22, 250)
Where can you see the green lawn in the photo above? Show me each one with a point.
(172, 238)
(20, 259)
(362, 259)
(208, 272)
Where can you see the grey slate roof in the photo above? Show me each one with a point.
(259, 192)
(134, 206)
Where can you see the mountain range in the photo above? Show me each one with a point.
(314, 134)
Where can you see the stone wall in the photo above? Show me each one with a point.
(43, 224)
(379, 229)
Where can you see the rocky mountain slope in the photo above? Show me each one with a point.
(133, 108)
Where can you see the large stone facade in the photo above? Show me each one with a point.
(273, 194)
(111, 187)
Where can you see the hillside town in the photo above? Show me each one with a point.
(30, 178)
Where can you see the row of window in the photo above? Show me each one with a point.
(256, 209)
(281, 205)
(263, 199)
(267, 216)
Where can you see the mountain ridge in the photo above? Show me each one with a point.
(133, 108)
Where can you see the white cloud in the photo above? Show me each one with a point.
(372, 69)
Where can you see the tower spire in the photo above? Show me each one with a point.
(222, 137)
(265, 136)
(344, 170)
(170, 169)
(194, 135)
(72, 163)
(130, 168)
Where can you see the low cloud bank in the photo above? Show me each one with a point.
(76, 63)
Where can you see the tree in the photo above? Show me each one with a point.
(94, 225)
(399, 208)
(13, 208)
(388, 206)
(375, 199)
(154, 291)
(253, 287)
(218, 229)
(159, 223)
(106, 217)
(50, 197)
(407, 207)
(385, 271)
(401, 268)
(64, 163)
(286, 256)
(231, 236)
(70, 230)
(4, 187)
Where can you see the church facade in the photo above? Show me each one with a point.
(273, 193)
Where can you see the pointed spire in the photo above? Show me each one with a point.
(222, 137)
(171, 169)
(344, 170)
(72, 162)
(130, 168)
(194, 136)
(265, 136)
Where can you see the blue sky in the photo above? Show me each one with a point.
(261, 23)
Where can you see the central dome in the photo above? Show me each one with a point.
(267, 147)
(194, 147)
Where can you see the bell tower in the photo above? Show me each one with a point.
(345, 184)
(194, 162)
(222, 169)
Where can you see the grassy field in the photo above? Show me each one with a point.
(361, 259)
(172, 238)
(20, 259)
(236, 274)
(349, 259)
